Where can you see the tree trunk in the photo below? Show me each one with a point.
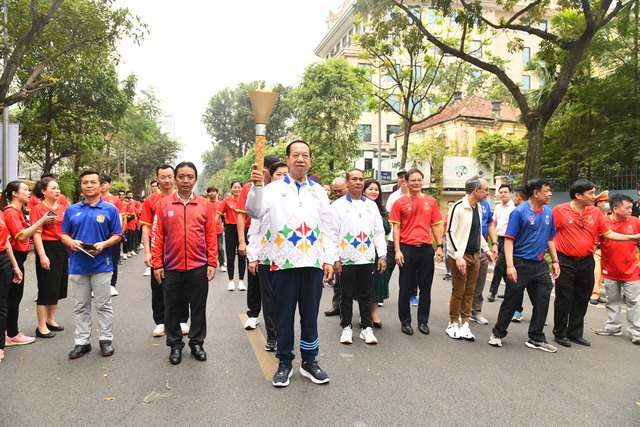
(535, 136)
(405, 143)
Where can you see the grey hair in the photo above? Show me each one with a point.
(472, 184)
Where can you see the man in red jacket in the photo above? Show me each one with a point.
(185, 256)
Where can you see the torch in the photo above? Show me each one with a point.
(262, 103)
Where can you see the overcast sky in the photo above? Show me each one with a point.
(198, 47)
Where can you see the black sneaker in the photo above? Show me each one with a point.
(271, 344)
(106, 348)
(282, 375)
(311, 370)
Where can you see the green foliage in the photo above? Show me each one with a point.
(504, 154)
(327, 107)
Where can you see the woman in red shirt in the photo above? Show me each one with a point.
(52, 259)
(14, 197)
(227, 208)
(8, 265)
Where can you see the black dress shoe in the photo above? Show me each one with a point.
(422, 327)
(332, 312)
(377, 325)
(581, 341)
(602, 301)
(175, 357)
(79, 351)
(106, 348)
(47, 335)
(199, 353)
(491, 297)
(593, 301)
(55, 328)
(563, 341)
(407, 329)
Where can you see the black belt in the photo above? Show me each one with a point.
(416, 246)
(576, 258)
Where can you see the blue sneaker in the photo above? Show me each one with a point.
(517, 317)
(413, 301)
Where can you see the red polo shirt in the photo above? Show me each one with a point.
(620, 260)
(53, 231)
(16, 224)
(415, 215)
(227, 208)
(576, 233)
(4, 234)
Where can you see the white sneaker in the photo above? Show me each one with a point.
(495, 341)
(147, 272)
(124, 256)
(185, 328)
(134, 253)
(140, 247)
(158, 331)
(231, 286)
(453, 330)
(251, 323)
(223, 268)
(367, 335)
(479, 318)
(465, 332)
(241, 286)
(114, 291)
(347, 335)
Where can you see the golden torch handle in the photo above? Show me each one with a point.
(260, 144)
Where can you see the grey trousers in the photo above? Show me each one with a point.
(476, 307)
(614, 290)
(83, 285)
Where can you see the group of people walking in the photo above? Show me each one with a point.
(292, 240)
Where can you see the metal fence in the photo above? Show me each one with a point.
(604, 180)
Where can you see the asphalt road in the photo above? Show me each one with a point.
(404, 380)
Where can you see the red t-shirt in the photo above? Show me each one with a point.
(52, 231)
(241, 205)
(228, 208)
(415, 215)
(219, 226)
(4, 234)
(131, 212)
(16, 224)
(621, 260)
(62, 200)
(575, 235)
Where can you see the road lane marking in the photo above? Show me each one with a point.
(266, 359)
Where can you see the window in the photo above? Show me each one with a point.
(417, 72)
(390, 77)
(394, 100)
(338, 47)
(418, 106)
(392, 129)
(367, 69)
(526, 82)
(368, 163)
(526, 55)
(431, 16)
(543, 25)
(364, 132)
(475, 48)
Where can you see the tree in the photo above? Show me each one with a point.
(416, 74)
(42, 35)
(230, 122)
(71, 119)
(327, 106)
(594, 15)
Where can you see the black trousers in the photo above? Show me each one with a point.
(193, 286)
(573, 290)
(500, 269)
(268, 299)
(6, 277)
(254, 295)
(220, 250)
(534, 277)
(335, 300)
(115, 257)
(231, 246)
(356, 282)
(157, 303)
(417, 260)
(391, 265)
(14, 297)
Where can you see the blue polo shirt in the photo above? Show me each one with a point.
(91, 224)
(531, 231)
(487, 217)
